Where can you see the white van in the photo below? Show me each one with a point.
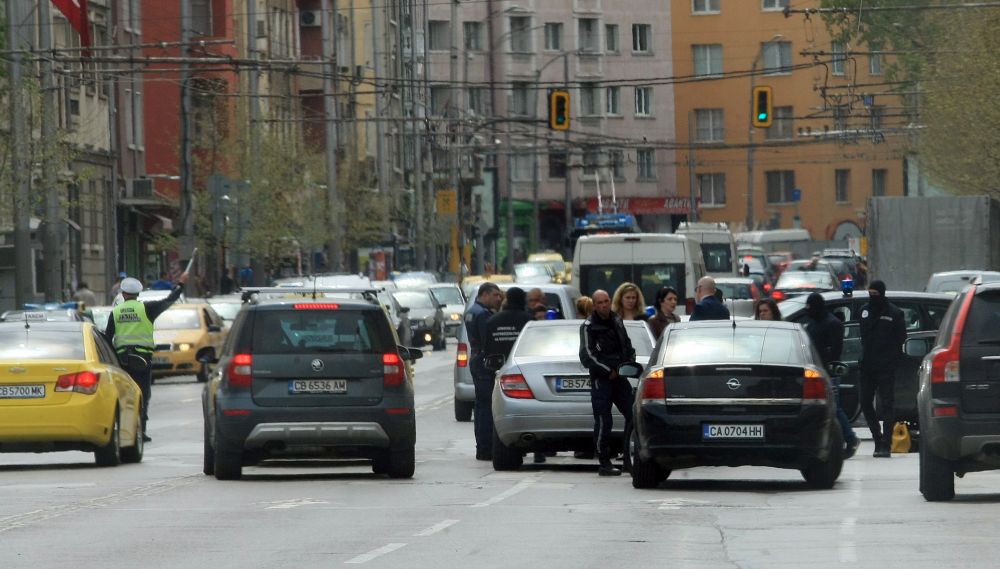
(773, 239)
(650, 260)
(717, 246)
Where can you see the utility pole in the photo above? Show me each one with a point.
(568, 181)
(750, 216)
(334, 249)
(23, 257)
(417, 175)
(453, 127)
(431, 194)
(52, 239)
(381, 168)
(187, 165)
(693, 212)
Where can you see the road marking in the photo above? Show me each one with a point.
(366, 557)
(436, 528)
(55, 485)
(433, 405)
(289, 504)
(848, 550)
(513, 490)
(191, 400)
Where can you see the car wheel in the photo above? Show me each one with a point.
(111, 453)
(937, 476)
(504, 457)
(380, 463)
(463, 411)
(228, 464)
(208, 457)
(645, 473)
(822, 474)
(402, 463)
(133, 454)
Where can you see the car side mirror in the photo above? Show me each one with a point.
(410, 354)
(837, 369)
(630, 369)
(208, 357)
(916, 347)
(214, 328)
(494, 362)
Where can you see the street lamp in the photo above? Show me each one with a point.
(750, 128)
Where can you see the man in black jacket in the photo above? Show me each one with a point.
(883, 333)
(487, 303)
(604, 345)
(502, 330)
(710, 306)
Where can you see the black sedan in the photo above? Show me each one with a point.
(426, 317)
(735, 393)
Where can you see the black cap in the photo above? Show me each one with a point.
(879, 286)
(516, 297)
(815, 301)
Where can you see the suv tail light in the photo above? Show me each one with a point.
(654, 387)
(777, 295)
(515, 387)
(240, 370)
(83, 382)
(462, 356)
(392, 370)
(944, 361)
(813, 387)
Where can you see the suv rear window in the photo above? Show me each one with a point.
(327, 331)
(983, 324)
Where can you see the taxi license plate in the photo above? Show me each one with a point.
(161, 360)
(22, 391)
(317, 386)
(564, 384)
(753, 432)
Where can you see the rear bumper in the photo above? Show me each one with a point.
(972, 442)
(84, 419)
(529, 423)
(308, 434)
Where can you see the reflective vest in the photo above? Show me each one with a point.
(132, 326)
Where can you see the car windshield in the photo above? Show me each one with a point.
(414, 299)
(563, 341)
(692, 346)
(805, 279)
(531, 270)
(736, 291)
(227, 310)
(448, 295)
(178, 319)
(18, 344)
(718, 257)
(321, 330)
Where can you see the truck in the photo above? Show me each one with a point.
(911, 238)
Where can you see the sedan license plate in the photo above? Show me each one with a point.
(317, 386)
(161, 360)
(569, 384)
(753, 432)
(22, 391)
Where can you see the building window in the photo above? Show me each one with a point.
(590, 100)
(842, 184)
(877, 114)
(439, 32)
(553, 36)
(704, 6)
(838, 54)
(707, 59)
(439, 100)
(709, 126)
(201, 17)
(878, 182)
(613, 100)
(588, 36)
(645, 161)
(591, 161)
(782, 125)
(711, 189)
(777, 56)
(775, 4)
(780, 184)
(616, 164)
(611, 38)
(520, 34)
(520, 97)
(473, 36)
(840, 114)
(557, 165)
(520, 165)
(643, 101)
(642, 38)
(476, 101)
(875, 64)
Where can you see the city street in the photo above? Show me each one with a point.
(59, 510)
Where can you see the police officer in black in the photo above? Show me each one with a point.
(488, 300)
(604, 345)
(883, 333)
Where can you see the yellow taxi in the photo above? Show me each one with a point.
(563, 270)
(187, 337)
(61, 389)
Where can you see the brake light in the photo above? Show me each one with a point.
(767, 288)
(944, 363)
(392, 370)
(462, 357)
(317, 306)
(83, 382)
(654, 387)
(515, 387)
(945, 411)
(813, 387)
(778, 296)
(240, 371)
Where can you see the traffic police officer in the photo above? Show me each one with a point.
(130, 331)
(488, 300)
(883, 333)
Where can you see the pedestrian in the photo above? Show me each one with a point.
(488, 300)
(85, 295)
(709, 307)
(502, 330)
(116, 288)
(584, 307)
(827, 334)
(628, 303)
(666, 304)
(883, 333)
(130, 331)
(163, 283)
(766, 309)
(605, 345)
(227, 284)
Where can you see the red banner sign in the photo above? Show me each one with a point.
(647, 206)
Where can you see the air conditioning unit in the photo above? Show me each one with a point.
(139, 189)
(310, 19)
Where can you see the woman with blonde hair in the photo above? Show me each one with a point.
(584, 307)
(628, 303)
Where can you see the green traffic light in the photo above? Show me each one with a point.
(762, 116)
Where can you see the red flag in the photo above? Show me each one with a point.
(76, 12)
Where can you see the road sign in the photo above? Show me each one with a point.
(447, 202)
(796, 195)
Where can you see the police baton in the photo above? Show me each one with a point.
(191, 261)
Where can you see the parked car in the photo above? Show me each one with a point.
(426, 317)
(718, 393)
(794, 283)
(187, 337)
(452, 302)
(542, 400)
(61, 388)
(303, 378)
(959, 397)
(955, 282)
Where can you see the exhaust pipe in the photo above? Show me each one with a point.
(528, 437)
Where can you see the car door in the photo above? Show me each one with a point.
(907, 380)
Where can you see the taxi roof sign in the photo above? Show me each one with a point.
(34, 316)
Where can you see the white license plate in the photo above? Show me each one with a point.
(22, 391)
(564, 384)
(744, 432)
(160, 360)
(317, 386)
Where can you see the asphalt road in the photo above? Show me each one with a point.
(59, 510)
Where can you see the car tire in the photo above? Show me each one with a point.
(645, 474)
(937, 476)
(208, 457)
(133, 454)
(504, 457)
(402, 463)
(111, 453)
(823, 474)
(463, 411)
(228, 464)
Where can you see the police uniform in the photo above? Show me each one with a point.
(475, 326)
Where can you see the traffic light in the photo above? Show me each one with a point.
(559, 109)
(763, 104)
